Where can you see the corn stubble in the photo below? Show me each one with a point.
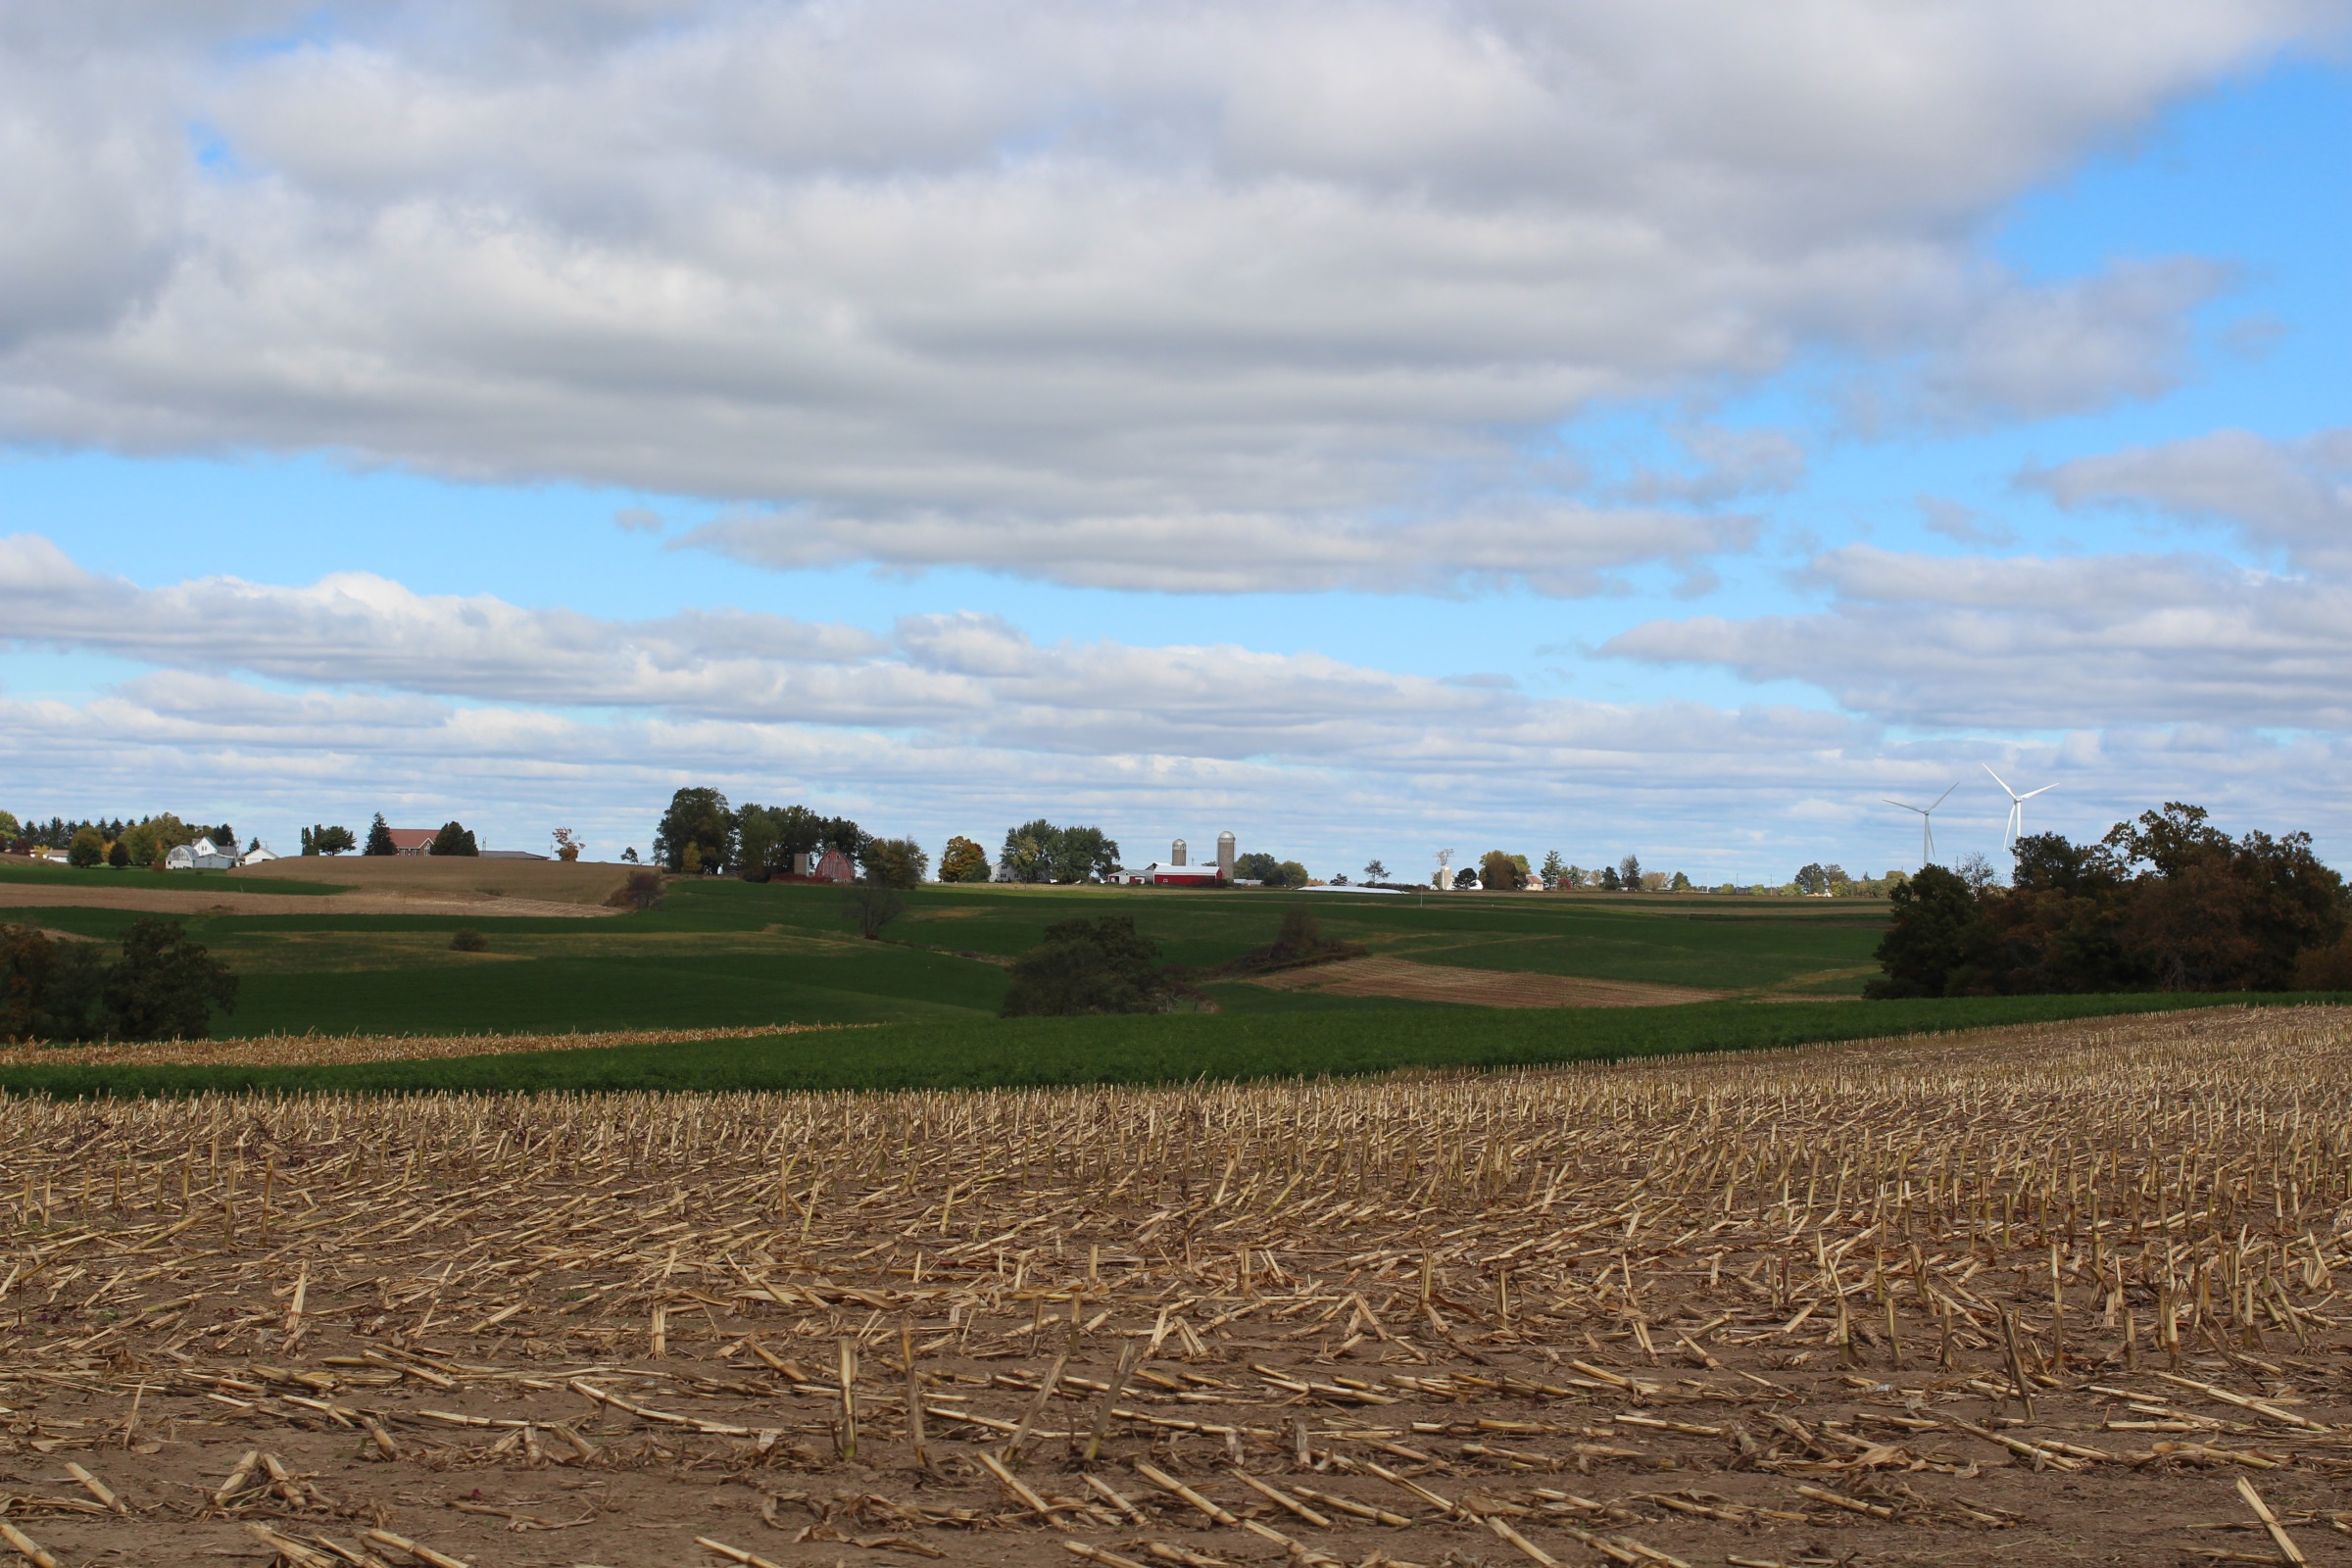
(1945, 1299)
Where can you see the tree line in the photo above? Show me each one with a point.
(120, 842)
(2164, 903)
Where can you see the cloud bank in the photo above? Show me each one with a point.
(1051, 288)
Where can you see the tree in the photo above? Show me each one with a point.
(1811, 879)
(1089, 966)
(1028, 852)
(325, 840)
(1680, 884)
(1554, 868)
(1610, 882)
(1500, 871)
(870, 905)
(10, 828)
(117, 856)
(567, 846)
(1374, 871)
(1629, 873)
(698, 818)
(88, 848)
(1936, 940)
(164, 986)
(1257, 866)
(380, 838)
(963, 861)
(1290, 874)
(1082, 853)
(1466, 880)
(641, 891)
(895, 862)
(453, 839)
(628, 857)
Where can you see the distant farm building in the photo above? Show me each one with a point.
(1178, 873)
(413, 840)
(202, 855)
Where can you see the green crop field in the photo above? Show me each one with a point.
(994, 1053)
(728, 953)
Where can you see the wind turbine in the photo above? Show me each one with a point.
(2017, 806)
(1927, 824)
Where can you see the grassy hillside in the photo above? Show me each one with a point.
(1012, 1053)
(723, 951)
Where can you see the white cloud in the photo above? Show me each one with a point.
(1047, 287)
(2035, 644)
(2292, 496)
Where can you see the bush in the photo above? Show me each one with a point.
(117, 856)
(641, 891)
(465, 939)
(1083, 966)
(88, 848)
(870, 905)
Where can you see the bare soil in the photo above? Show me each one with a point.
(380, 885)
(1485, 988)
(1894, 1303)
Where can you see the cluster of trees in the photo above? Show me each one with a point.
(701, 834)
(2166, 902)
(159, 986)
(1040, 852)
(1260, 866)
(117, 843)
(320, 839)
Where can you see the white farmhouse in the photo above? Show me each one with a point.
(202, 855)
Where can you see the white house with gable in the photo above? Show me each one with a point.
(202, 855)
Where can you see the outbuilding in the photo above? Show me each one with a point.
(202, 855)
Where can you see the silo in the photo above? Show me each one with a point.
(1176, 853)
(1225, 856)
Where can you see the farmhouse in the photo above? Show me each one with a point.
(202, 855)
(413, 840)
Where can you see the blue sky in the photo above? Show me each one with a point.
(1370, 428)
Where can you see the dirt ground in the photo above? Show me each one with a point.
(2035, 1296)
(383, 885)
(1485, 988)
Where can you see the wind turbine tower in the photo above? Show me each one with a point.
(2017, 806)
(1927, 824)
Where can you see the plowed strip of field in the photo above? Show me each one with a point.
(1481, 988)
(302, 1051)
(168, 900)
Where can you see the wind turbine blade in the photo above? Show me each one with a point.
(1945, 796)
(1899, 803)
(1997, 779)
(2045, 790)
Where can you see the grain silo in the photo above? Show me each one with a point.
(1226, 848)
(1176, 852)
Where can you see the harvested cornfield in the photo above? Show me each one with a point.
(315, 1050)
(2057, 1293)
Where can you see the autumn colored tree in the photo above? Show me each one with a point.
(963, 861)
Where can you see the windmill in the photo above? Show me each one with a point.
(2017, 806)
(1927, 824)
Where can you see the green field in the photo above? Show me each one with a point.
(725, 952)
(1159, 1050)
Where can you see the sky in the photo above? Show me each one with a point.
(1368, 427)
